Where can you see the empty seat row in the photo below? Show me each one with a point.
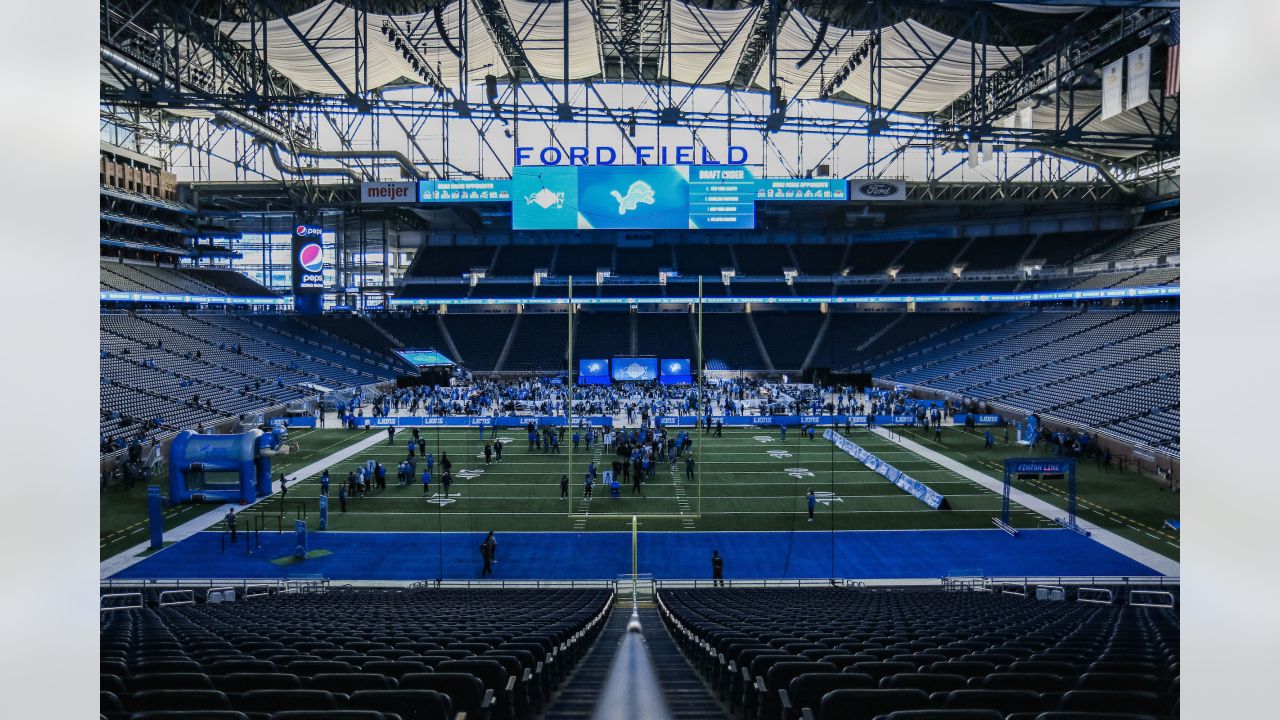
(779, 654)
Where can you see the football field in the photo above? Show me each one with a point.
(747, 479)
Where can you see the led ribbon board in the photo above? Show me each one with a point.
(438, 191)
(1045, 296)
(830, 189)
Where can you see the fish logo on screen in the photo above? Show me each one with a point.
(639, 192)
(311, 257)
(545, 199)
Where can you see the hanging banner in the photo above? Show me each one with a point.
(1113, 89)
(1139, 75)
(1026, 118)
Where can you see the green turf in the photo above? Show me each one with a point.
(741, 484)
(1126, 503)
(123, 513)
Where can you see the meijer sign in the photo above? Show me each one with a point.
(388, 192)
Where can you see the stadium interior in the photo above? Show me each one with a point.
(783, 359)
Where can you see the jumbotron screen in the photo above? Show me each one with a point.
(633, 197)
(593, 371)
(424, 358)
(634, 368)
(675, 371)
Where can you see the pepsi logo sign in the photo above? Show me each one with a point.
(878, 189)
(308, 231)
(311, 257)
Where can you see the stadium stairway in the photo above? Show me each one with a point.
(686, 695)
(578, 698)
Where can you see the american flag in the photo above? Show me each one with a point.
(1171, 84)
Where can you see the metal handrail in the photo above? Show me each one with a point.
(1097, 596)
(257, 590)
(632, 691)
(134, 606)
(1151, 598)
(1011, 588)
(188, 597)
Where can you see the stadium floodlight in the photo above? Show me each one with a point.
(564, 112)
(670, 116)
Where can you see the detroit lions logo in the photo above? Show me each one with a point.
(639, 192)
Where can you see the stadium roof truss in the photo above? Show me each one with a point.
(309, 91)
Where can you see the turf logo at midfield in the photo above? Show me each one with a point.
(779, 454)
(800, 472)
(763, 438)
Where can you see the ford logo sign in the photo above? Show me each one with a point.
(878, 189)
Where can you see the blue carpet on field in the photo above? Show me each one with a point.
(667, 555)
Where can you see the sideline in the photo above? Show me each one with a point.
(1128, 548)
(127, 558)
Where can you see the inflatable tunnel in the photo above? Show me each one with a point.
(247, 455)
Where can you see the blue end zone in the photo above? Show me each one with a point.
(667, 555)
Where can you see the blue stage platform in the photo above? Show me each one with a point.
(667, 555)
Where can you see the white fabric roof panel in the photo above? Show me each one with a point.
(907, 50)
(796, 33)
(482, 55)
(1129, 121)
(540, 27)
(698, 35)
(331, 28)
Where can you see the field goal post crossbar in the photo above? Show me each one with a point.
(701, 412)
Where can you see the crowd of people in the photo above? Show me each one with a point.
(634, 401)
